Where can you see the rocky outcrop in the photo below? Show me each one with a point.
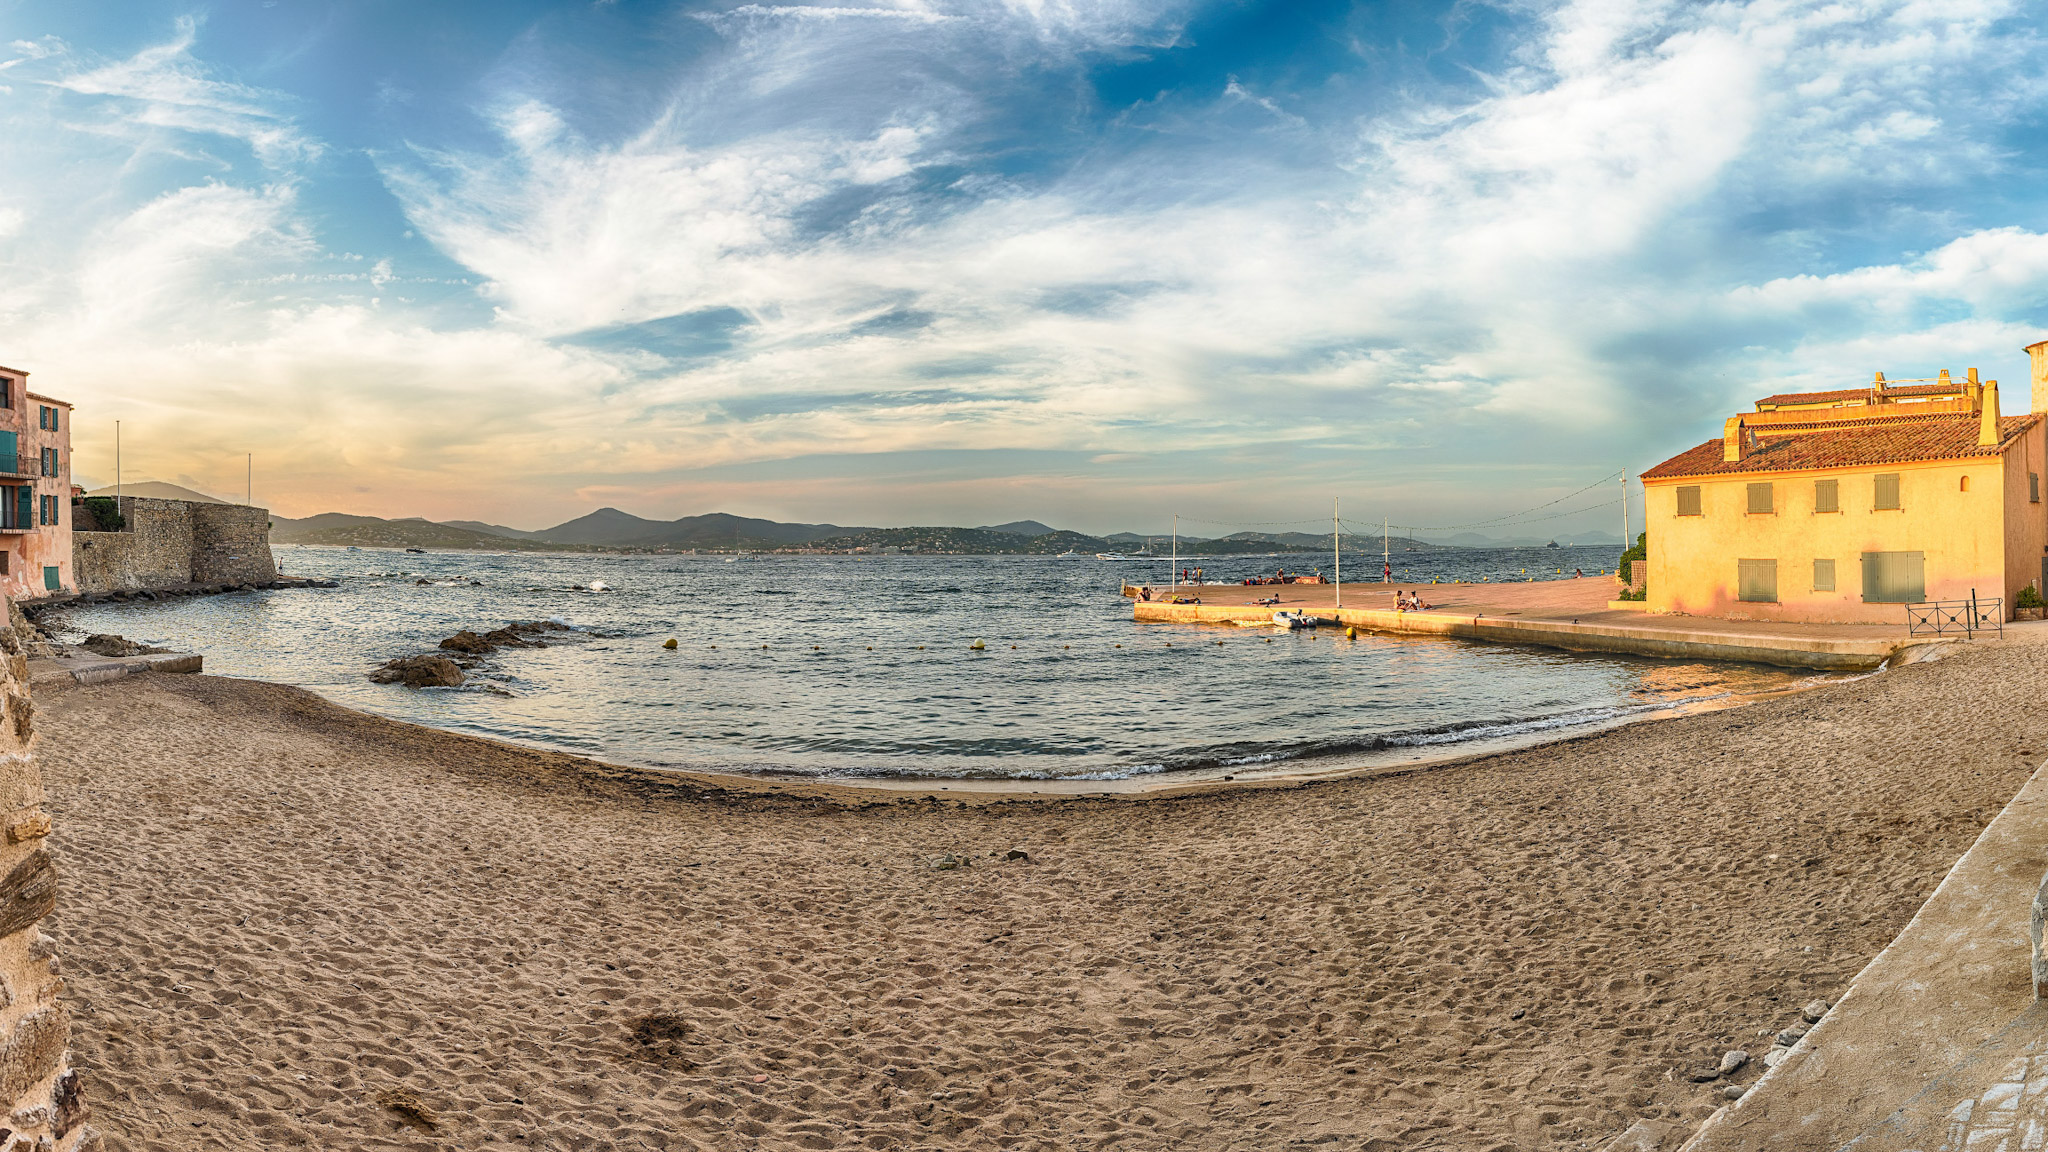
(420, 672)
(105, 644)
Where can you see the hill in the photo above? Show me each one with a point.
(158, 490)
(962, 542)
(341, 529)
(611, 528)
(1019, 528)
(490, 529)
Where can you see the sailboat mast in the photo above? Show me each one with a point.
(1175, 554)
(1337, 548)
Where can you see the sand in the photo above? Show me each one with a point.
(285, 925)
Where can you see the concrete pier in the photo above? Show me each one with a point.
(1575, 615)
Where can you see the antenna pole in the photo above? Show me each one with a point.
(249, 482)
(1386, 555)
(1175, 554)
(1626, 543)
(117, 466)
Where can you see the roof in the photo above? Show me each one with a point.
(1842, 394)
(15, 371)
(1851, 444)
(48, 399)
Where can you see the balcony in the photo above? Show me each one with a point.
(13, 466)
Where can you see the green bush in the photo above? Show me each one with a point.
(1634, 594)
(1641, 551)
(106, 512)
(2028, 598)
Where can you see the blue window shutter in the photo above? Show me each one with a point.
(8, 447)
(25, 506)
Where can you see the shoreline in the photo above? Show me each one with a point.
(277, 911)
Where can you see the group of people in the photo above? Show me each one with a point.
(1279, 576)
(1410, 601)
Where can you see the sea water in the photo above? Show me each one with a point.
(837, 666)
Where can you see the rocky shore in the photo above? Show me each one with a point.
(466, 650)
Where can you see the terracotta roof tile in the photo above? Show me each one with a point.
(1850, 445)
(1841, 394)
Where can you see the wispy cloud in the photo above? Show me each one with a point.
(164, 86)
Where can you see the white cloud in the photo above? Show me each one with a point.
(164, 86)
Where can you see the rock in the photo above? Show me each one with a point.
(1732, 1060)
(423, 581)
(469, 642)
(1734, 1091)
(507, 638)
(71, 1109)
(420, 672)
(102, 644)
(1017, 854)
(946, 863)
(1703, 1075)
(1790, 1036)
(1641, 1136)
(669, 643)
(1814, 1011)
(27, 894)
(1776, 1056)
(34, 1049)
(33, 826)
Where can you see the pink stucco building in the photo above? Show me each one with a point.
(35, 491)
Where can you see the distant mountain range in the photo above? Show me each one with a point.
(609, 529)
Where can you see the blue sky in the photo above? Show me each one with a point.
(963, 262)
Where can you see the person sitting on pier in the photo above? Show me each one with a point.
(1268, 602)
(1144, 593)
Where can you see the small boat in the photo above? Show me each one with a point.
(1294, 620)
(1070, 554)
(421, 551)
(1552, 544)
(1130, 556)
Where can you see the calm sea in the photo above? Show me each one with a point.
(861, 667)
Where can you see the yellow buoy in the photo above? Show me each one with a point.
(1351, 633)
(977, 646)
(669, 644)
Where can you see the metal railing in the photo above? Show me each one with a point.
(1948, 617)
(21, 466)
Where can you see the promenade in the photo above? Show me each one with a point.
(1571, 614)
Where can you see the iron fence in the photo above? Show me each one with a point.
(1949, 617)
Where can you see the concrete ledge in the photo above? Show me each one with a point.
(1938, 1043)
(1820, 652)
(101, 669)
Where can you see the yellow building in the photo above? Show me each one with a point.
(1840, 507)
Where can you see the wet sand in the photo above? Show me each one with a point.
(279, 918)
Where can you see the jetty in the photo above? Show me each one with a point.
(1577, 614)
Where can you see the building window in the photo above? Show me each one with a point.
(3, 562)
(1760, 500)
(1827, 495)
(46, 418)
(6, 392)
(53, 581)
(2034, 487)
(1823, 575)
(1963, 485)
(46, 509)
(1894, 577)
(1886, 492)
(1689, 500)
(49, 461)
(1756, 581)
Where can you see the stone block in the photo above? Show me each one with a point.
(34, 1051)
(27, 826)
(28, 893)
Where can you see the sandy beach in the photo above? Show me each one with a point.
(286, 924)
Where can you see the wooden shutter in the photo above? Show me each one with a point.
(24, 507)
(1760, 500)
(1827, 495)
(1823, 575)
(1886, 490)
(1894, 577)
(1689, 500)
(1756, 581)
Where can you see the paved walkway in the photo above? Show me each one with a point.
(1570, 614)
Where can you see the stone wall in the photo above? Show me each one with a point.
(168, 543)
(40, 1095)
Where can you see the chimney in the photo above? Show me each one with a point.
(1877, 389)
(1987, 423)
(1975, 392)
(2039, 354)
(1732, 435)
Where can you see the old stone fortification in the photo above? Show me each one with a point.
(39, 1093)
(171, 543)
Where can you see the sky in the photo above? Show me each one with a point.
(969, 261)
